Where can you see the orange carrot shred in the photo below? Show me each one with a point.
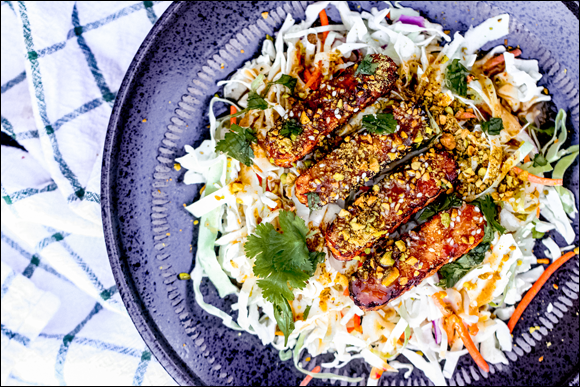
(324, 22)
(233, 110)
(527, 159)
(308, 378)
(313, 78)
(539, 180)
(538, 212)
(468, 342)
(536, 288)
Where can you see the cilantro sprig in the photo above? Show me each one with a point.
(447, 202)
(237, 144)
(366, 66)
(255, 101)
(452, 272)
(493, 127)
(291, 127)
(381, 123)
(283, 263)
(456, 78)
(285, 80)
(487, 206)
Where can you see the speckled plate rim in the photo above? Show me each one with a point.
(154, 339)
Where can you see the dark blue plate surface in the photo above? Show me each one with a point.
(162, 105)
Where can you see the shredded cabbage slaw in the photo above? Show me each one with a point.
(412, 324)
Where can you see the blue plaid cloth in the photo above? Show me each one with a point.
(63, 321)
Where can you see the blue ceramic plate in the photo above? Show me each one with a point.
(162, 105)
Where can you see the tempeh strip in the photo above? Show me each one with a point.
(391, 203)
(360, 157)
(398, 266)
(327, 108)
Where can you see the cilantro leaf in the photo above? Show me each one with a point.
(381, 123)
(313, 201)
(366, 66)
(492, 127)
(452, 272)
(236, 144)
(291, 127)
(283, 262)
(540, 161)
(487, 206)
(284, 318)
(255, 102)
(549, 131)
(456, 78)
(285, 80)
(445, 203)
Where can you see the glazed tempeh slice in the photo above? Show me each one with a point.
(400, 265)
(327, 108)
(390, 203)
(360, 157)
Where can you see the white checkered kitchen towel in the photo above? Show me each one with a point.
(62, 319)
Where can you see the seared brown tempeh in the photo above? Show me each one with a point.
(329, 107)
(360, 157)
(390, 203)
(399, 265)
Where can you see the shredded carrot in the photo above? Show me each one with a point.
(538, 212)
(233, 110)
(307, 75)
(346, 292)
(536, 288)
(324, 22)
(543, 261)
(468, 342)
(465, 115)
(473, 329)
(376, 373)
(527, 159)
(353, 324)
(308, 378)
(497, 60)
(437, 300)
(313, 78)
(537, 179)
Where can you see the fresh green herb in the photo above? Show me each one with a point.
(540, 161)
(285, 80)
(255, 102)
(291, 127)
(487, 206)
(283, 262)
(445, 203)
(366, 66)
(493, 127)
(306, 312)
(184, 276)
(549, 131)
(456, 78)
(382, 123)
(236, 144)
(451, 273)
(313, 201)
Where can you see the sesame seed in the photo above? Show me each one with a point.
(476, 209)
(334, 93)
(431, 250)
(364, 175)
(419, 194)
(338, 116)
(311, 138)
(291, 113)
(355, 110)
